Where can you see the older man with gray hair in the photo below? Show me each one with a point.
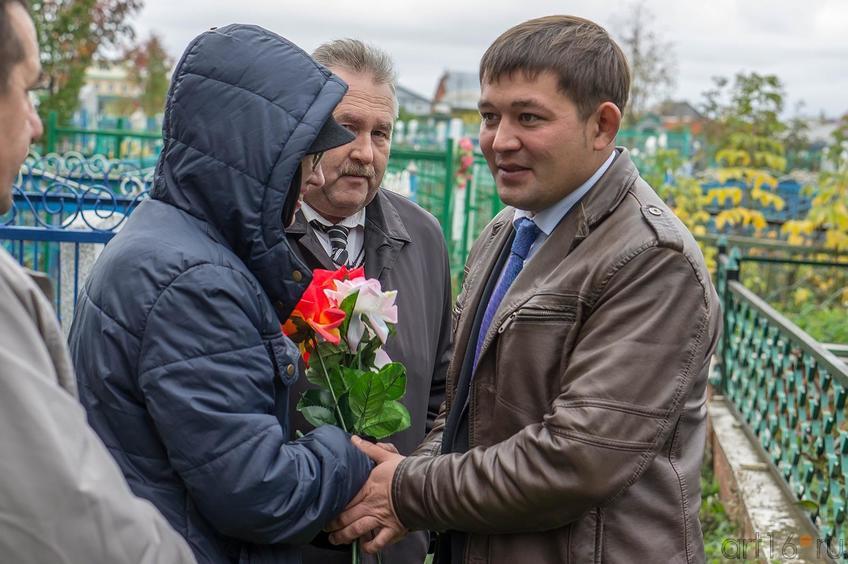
(351, 221)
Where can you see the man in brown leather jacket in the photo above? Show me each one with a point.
(574, 424)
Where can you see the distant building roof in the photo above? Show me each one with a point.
(821, 131)
(681, 110)
(112, 72)
(458, 89)
(405, 94)
(411, 102)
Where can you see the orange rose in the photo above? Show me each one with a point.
(316, 311)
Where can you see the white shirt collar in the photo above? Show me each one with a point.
(355, 220)
(549, 218)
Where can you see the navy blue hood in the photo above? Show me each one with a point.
(244, 106)
(181, 364)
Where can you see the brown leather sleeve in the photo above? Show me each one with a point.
(432, 443)
(647, 338)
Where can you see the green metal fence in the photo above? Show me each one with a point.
(140, 147)
(433, 173)
(645, 142)
(791, 391)
(463, 212)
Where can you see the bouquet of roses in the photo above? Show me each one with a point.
(341, 324)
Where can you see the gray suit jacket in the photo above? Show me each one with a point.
(405, 250)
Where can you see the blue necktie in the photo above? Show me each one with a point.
(524, 237)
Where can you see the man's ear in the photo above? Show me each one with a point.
(607, 120)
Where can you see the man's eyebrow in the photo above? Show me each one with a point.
(527, 103)
(515, 104)
(345, 116)
(357, 120)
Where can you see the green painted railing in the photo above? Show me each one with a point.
(121, 143)
(768, 246)
(791, 391)
(462, 212)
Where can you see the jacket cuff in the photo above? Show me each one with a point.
(409, 498)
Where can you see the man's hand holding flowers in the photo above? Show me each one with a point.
(371, 509)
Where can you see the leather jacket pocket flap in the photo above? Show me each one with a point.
(544, 308)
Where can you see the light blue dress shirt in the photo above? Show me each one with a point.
(549, 218)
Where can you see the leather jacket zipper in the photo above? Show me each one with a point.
(507, 322)
(536, 315)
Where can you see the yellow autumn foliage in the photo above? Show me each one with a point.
(721, 195)
(836, 240)
(770, 160)
(801, 295)
(766, 198)
(733, 157)
(753, 176)
(796, 229)
(740, 216)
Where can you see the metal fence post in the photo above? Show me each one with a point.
(727, 269)
(120, 139)
(50, 134)
(734, 260)
(447, 211)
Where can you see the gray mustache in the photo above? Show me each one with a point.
(352, 169)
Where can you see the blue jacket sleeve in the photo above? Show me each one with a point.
(207, 375)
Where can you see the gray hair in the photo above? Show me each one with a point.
(355, 56)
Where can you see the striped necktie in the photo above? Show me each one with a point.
(338, 241)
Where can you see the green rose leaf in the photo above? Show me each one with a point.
(350, 377)
(317, 408)
(316, 397)
(315, 375)
(331, 355)
(347, 306)
(318, 415)
(393, 377)
(367, 396)
(368, 348)
(392, 419)
(347, 413)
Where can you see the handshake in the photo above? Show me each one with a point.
(370, 515)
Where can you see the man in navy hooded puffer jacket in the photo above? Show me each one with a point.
(176, 339)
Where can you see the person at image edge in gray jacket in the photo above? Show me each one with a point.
(176, 338)
(62, 497)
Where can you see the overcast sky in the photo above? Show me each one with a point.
(804, 42)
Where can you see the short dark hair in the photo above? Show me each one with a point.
(591, 68)
(11, 48)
